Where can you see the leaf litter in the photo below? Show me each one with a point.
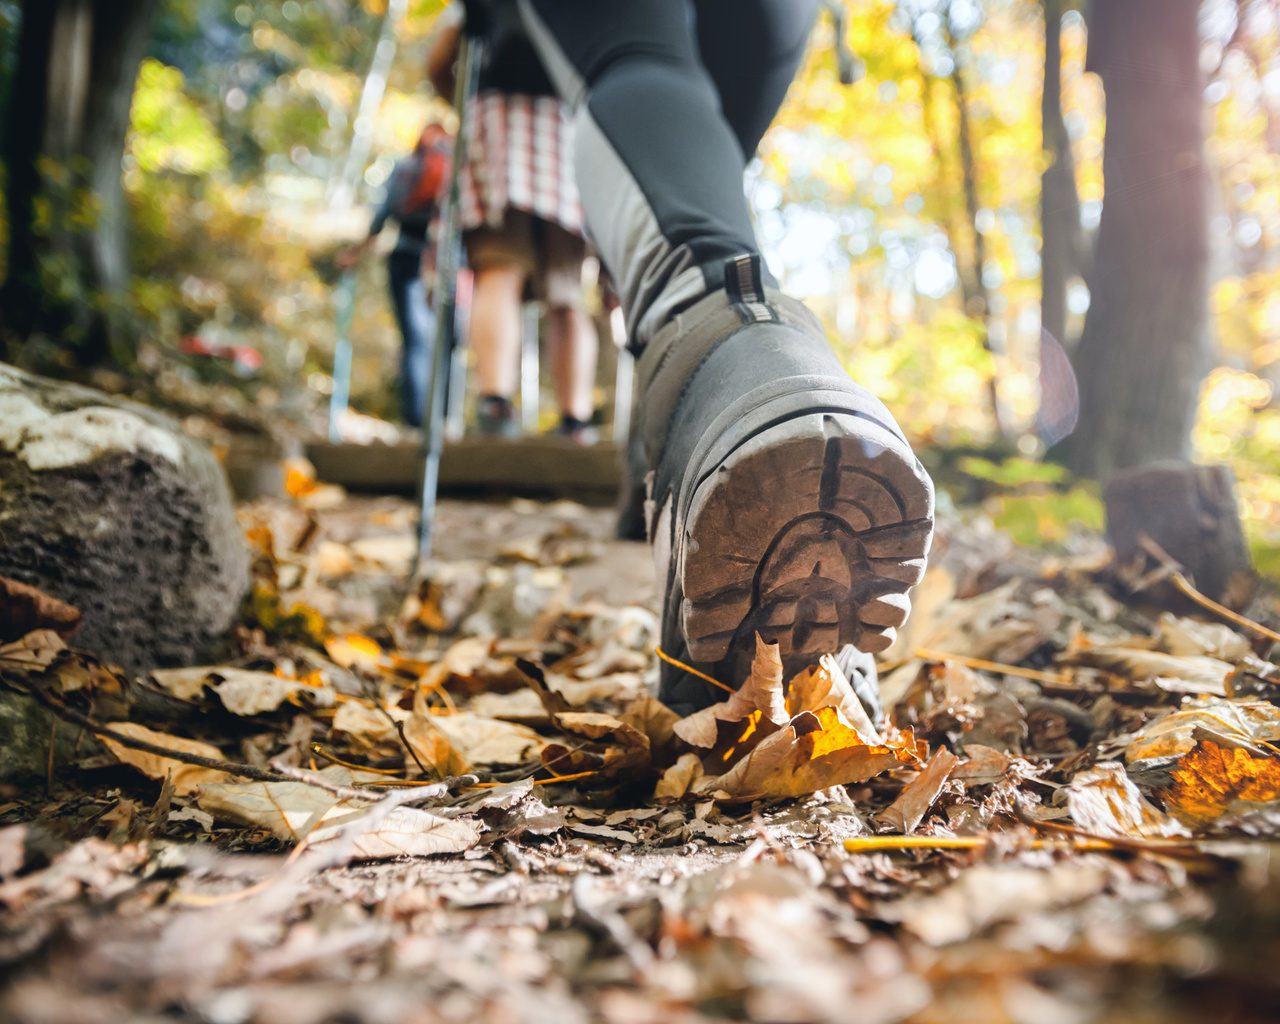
(465, 804)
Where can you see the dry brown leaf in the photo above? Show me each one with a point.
(1183, 636)
(289, 810)
(824, 686)
(523, 706)
(33, 652)
(185, 777)
(905, 813)
(1248, 720)
(1137, 664)
(677, 779)
(1210, 779)
(358, 719)
(429, 744)
(812, 752)
(242, 691)
(761, 692)
(24, 609)
(1104, 801)
(404, 832)
(982, 765)
(480, 740)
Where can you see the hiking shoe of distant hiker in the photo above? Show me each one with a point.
(576, 431)
(784, 500)
(496, 418)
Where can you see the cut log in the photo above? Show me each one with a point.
(1192, 513)
(108, 506)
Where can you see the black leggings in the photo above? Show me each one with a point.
(671, 98)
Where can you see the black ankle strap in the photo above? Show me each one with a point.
(744, 281)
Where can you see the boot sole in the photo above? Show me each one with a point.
(810, 530)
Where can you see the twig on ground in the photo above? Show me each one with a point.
(247, 771)
(376, 791)
(1170, 569)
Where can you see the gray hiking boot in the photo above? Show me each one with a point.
(784, 497)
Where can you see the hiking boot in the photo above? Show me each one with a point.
(496, 417)
(784, 498)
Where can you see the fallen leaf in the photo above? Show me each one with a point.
(905, 813)
(404, 832)
(33, 652)
(243, 692)
(677, 779)
(429, 744)
(1248, 720)
(1104, 801)
(184, 777)
(1182, 636)
(23, 609)
(353, 651)
(289, 810)
(1212, 781)
(1138, 664)
(480, 740)
(761, 692)
(812, 752)
(358, 719)
(824, 685)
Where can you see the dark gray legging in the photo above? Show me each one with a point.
(670, 99)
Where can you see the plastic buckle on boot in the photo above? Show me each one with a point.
(744, 282)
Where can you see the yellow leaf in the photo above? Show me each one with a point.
(1211, 778)
(812, 752)
(761, 692)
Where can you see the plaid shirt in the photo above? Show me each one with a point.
(520, 154)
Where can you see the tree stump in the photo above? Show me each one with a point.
(1191, 512)
(107, 505)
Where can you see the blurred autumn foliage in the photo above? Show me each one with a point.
(905, 207)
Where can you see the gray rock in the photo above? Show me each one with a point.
(108, 506)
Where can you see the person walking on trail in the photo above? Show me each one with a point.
(522, 222)
(412, 200)
(784, 499)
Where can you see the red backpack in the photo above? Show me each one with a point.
(435, 149)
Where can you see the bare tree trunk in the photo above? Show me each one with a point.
(977, 300)
(1059, 202)
(79, 61)
(1144, 350)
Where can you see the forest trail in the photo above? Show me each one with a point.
(1080, 832)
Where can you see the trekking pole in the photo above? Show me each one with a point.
(448, 246)
(339, 397)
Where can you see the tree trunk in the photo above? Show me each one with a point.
(77, 67)
(1059, 202)
(1144, 350)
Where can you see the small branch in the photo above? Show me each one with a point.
(1171, 570)
(373, 792)
(247, 771)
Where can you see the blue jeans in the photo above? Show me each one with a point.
(417, 329)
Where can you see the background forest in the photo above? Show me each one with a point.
(195, 164)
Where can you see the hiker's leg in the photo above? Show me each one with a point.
(408, 297)
(658, 167)
(752, 50)
(501, 259)
(572, 342)
(495, 327)
(791, 506)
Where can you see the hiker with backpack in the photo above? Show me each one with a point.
(413, 202)
(522, 222)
